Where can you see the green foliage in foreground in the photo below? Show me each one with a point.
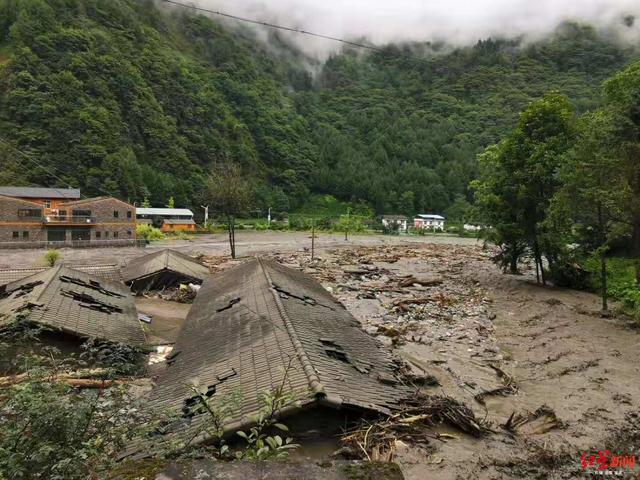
(124, 98)
(51, 257)
(149, 232)
(621, 282)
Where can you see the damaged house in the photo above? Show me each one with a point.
(261, 325)
(163, 269)
(73, 306)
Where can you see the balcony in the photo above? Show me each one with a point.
(68, 220)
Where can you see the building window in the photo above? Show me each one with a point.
(115, 234)
(30, 212)
(116, 214)
(25, 235)
(81, 213)
(98, 235)
(47, 204)
(16, 234)
(129, 232)
(128, 213)
(106, 234)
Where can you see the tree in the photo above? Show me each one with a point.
(496, 200)
(229, 194)
(622, 139)
(146, 203)
(591, 202)
(171, 203)
(519, 179)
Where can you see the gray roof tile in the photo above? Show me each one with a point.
(164, 260)
(74, 302)
(39, 192)
(282, 318)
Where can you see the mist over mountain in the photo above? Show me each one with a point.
(456, 22)
(126, 98)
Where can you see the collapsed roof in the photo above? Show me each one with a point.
(107, 271)
(260, 324)
(163, 269)
(73, 302)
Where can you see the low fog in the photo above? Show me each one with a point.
(457, 22)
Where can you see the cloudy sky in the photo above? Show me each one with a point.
(457, 21)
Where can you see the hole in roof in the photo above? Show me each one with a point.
(337, 354)
(87, 301)
(92, 284)
(330, 343)
(226, 374)
(171, 358)
(306, 299)
(231, 303)
(20, 290)
(195, 405)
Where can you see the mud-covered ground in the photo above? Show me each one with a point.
(551, 378)
(503, 346)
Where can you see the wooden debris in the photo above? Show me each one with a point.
(425, 282)
(542, 420)
(411, 425)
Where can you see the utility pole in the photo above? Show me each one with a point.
(313, 239)
(206, 215)
(269, 217)
(346, 227)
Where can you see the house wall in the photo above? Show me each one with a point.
(178, 228)
(11, 221)
(107, 225)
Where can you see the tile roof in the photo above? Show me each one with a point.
(248, 324)
(164, 261)
(39, 192)
(74, 302)
(430, 216)
(109, 271)
(93, 200)
(164, 211)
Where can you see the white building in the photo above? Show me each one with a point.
(398, 222)
(473, 227)
(429, 222)
(167, 219)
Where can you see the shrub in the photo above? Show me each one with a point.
(149, 232)
(51, 257)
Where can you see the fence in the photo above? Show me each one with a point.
(44, 244)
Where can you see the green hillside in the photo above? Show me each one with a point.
(121, 97)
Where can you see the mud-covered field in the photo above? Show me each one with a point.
(506, 348)
(548, 377)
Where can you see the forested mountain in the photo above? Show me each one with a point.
(126, 98)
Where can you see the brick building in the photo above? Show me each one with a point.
(33, 219)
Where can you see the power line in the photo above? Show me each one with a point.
(273, 25)
(46, 169)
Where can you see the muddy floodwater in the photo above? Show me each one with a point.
(539, 366)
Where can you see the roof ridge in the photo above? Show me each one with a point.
(52, 272)
(314, 381)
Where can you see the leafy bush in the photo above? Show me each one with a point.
(149, 232)
(53, 431)
(621, 281)
(51, 257)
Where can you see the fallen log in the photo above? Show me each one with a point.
(425, 282)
